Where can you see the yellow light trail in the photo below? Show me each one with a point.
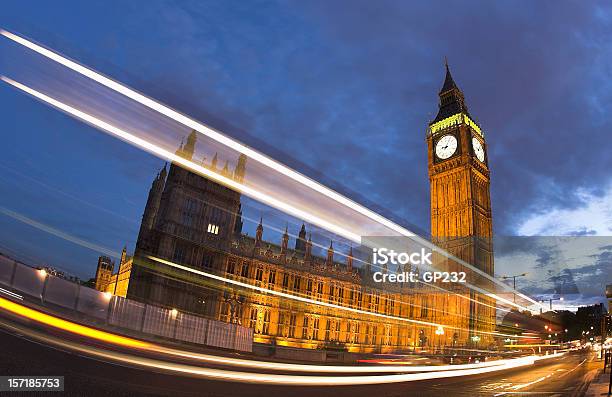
(272, 379)
(69, 326)
(259, 157)
(152, 148)
(112, 338)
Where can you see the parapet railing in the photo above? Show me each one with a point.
(121, 312)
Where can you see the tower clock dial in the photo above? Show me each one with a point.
(478, 150)
(446, 146)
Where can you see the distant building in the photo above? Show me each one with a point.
(104, 272)
(61, 274)
(590, 318)
(108, 281)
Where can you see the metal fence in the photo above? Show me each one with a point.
(124, 313)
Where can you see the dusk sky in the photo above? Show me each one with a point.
(341, 91)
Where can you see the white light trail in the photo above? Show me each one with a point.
(116, 339)
(11, 294)
(253, 154)
(315, 302)
(263, 378)
(57, 233)
(152, 148)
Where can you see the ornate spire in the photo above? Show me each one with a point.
(349, 260)
(213, 164)
(330, 254)
(240, 169)
(308, 247)
(300, 242)
(259, 232)
(189, 147)
(179, 151)
(285, 242)
(451, 98)
(239, 223)
(449, 83)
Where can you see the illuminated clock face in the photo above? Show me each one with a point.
(478, 149)
(446, 146)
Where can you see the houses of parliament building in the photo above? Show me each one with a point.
(197, 223)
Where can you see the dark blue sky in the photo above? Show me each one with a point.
(340, 90)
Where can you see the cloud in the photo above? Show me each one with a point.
(343, 91)
(593, 216)
(572, 267)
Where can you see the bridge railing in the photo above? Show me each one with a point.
(115, 311)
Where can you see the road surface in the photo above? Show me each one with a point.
(21, 354)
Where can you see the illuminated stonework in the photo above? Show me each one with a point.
(177, 226)
(114, 283)
(454, 120)
(461, 217)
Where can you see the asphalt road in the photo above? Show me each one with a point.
(84, 376)
(566, 376)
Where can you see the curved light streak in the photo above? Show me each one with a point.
(152, 148)
(58, 233)
(315, 302)
(65, 325)
(253, 154)
(112, 338)
(271, 379)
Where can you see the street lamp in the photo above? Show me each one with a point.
(513, 282)
(550, 301)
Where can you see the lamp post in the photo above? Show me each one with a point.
(513, 282)
(550, 301)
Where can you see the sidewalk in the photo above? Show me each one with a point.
(599, 385)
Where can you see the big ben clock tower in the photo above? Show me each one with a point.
(461, 220)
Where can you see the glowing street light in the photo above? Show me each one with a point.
(513, 282)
